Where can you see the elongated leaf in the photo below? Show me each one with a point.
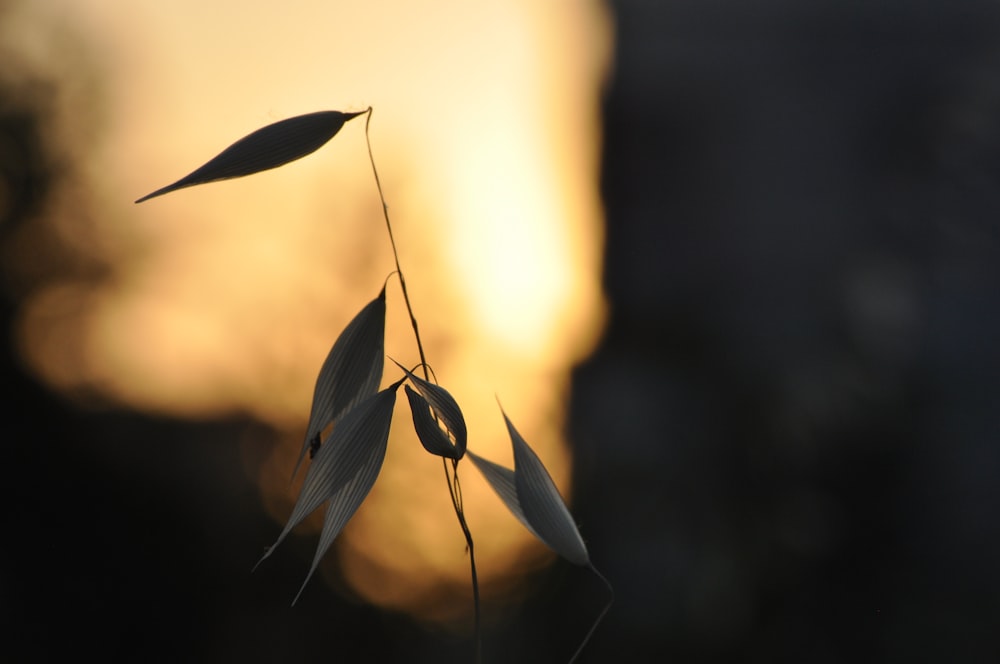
(532, 497)
(502, 481)
(445, 408)
(346, 501)
(429, 432)
(530, 494)
(351, 372)
(267, 148)
(354, 448)
(543, 507)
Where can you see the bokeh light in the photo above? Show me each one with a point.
(225, 299)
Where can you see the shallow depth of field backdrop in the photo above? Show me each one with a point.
(734, 267)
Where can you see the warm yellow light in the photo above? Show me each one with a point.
(226, 298)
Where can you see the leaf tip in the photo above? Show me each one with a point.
(267, 554)
(148, 196)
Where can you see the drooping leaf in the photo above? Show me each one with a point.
(445, 408)
(429, 432)
(502, 481)
(267, 148)
(532, 497)
(345, 502)
(543, 507)
(530, 494)
(351, 372)
(346, 465)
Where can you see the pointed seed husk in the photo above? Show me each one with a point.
(351, 371)
(269, 147)
(356, 446)
(428, 431)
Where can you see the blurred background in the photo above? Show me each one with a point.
(731, 269)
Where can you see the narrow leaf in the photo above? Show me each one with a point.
(351, 372)
(346, 501)
(267, 148)
(541, 503)
(355, 447)
(530, 494)
(444, 407)
(428, 430)
(502, 481)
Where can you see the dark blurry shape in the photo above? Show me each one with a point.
(800, 379)
(39, 143)
(25, 175)
(351, 372)
(344, 471)
(269, 147)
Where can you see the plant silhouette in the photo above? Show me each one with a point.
(347, 402)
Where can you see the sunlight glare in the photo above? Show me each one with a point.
(225, 299)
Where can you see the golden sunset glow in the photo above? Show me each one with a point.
(226, 298)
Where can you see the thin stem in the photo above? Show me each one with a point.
(600, 617)
(454, 487)
(395, 254)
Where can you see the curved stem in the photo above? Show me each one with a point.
(454, 487)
